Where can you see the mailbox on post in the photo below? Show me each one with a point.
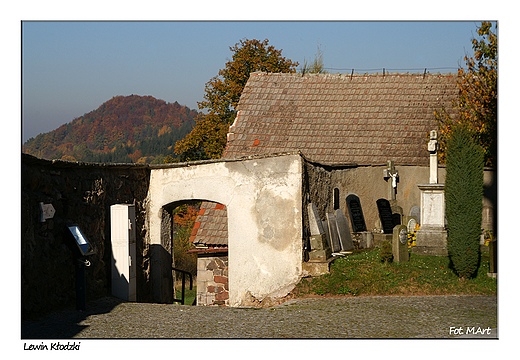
(84, 250)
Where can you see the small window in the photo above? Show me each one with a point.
(336, 198)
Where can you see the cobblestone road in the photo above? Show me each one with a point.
(351, 317)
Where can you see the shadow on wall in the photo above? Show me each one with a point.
(163, 292)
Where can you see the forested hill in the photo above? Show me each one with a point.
(138, 129)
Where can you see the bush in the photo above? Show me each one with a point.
(464, 190)
(386, 254)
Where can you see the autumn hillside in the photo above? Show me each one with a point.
(139, 129)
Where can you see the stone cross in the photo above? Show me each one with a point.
(391, 173)
(432, 148)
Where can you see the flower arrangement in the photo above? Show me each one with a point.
(488, 237)
(412, 236)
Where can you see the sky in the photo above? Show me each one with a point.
(70, 68)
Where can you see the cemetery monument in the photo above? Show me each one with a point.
(432, 236)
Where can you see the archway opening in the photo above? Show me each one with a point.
(196, 232)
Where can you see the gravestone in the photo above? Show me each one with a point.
(345, 238)
(415, 211)
(316, 226)
(411, 225)
(356, 213)
(325, 225)
(400, 243)
(333, 232)
(320, 251)
(396, 219)
(385, 215)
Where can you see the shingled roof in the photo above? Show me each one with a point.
(210, 227)
(364, 119)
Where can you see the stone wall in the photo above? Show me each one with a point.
(82, 194)
(212, 279)
(368, 183)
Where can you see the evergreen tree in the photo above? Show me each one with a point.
(464, 190)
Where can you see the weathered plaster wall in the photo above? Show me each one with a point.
(82, 194)
(263, 200)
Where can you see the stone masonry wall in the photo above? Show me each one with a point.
(212, 280)
(82, 194)
(368, 183)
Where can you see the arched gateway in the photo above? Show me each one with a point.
(263, 197)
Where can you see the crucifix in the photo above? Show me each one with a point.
(391, 173)
(432, 148)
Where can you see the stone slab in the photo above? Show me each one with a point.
(432, 205)
(415, 211)
(315, 224)
(364, 239)
(432, 238)
(379, 238)
(356, 213)
(327, 234)
(333, 232)
(431, 242)
(411, 224)
(317, 268)
(385, 215)
(431, 251)
(345, 238)
(318, 242)
(320, 255)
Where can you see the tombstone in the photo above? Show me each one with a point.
(320, 250)
(333, 232)
(356, 213)
(385, 215)
(396, 219)
(411, 225)
(345, 238)
(400, 243)
(325, 226)
(415, 211)
(316, 226)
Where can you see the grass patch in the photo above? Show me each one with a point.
(189, 295)
(364, 274)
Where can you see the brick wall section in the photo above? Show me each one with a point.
(212, 280)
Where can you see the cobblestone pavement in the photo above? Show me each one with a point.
(348, 317)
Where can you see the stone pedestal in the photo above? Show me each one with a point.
(379, 238)
(317, 268)
(319, 256)
(320, 251)
(363, 239)
(431, 238)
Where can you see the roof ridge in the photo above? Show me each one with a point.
(347, 75)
